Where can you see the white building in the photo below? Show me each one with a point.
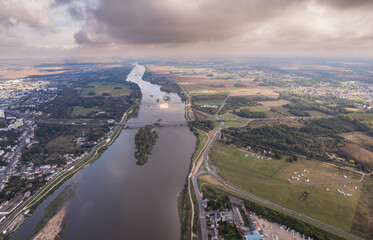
(2, 114)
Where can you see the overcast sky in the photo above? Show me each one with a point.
(140, 28)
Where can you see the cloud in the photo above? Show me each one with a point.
(346, 4)
(77, 13)
(176, 21)
(191, 26)
(32, 13)
(62, 2)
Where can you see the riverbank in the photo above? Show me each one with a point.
(53, 227)
(30, 204)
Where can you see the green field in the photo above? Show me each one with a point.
(232, 123)
(82, 111)
(268, 180)
(202, 139)
(106, 87)
(227, 117)
(363, 223)
(62, 142)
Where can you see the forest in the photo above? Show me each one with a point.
(145, 140)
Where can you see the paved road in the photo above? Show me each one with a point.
(212, 170)
(16, 152)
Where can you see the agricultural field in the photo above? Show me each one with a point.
(277, 103)
(198, 81)
(255, 89)
(272, 180)
(99, 88)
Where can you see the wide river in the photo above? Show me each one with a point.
(117, 199)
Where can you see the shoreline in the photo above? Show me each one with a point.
(53, 228)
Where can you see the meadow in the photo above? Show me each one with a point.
(269, 179)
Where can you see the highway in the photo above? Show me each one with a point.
(212, 170)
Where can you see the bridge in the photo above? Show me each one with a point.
(158, 123)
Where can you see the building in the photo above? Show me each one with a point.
(2, 114)
(254, 236)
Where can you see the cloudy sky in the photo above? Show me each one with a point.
(73, 28)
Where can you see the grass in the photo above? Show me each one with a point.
(202, 139)
(366, 118)
(232, 123)
(363, 222)
(83, 112)
(359, 138)
(268, 180)
(62, 142)
(208, 92)
(316, 113)
(353, 109)
(276, 103)
(227, 117)
(211, 191)
(259, 109)
(212, 102)
(106, 87)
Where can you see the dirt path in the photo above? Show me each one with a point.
(53, 227)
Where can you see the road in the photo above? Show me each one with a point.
(212, 170)
(16, 152)
(202, 213)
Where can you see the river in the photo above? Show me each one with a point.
(117, 199)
